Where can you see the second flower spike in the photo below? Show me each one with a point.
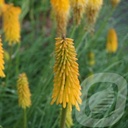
(11, 23)
(61, 9)
(23, 91)
(78, 9)
(92, 10)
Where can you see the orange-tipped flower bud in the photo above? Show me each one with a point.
(112, 41)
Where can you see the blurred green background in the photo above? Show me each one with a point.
(36, 57)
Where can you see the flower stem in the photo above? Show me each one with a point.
(9, 65)
(25, 118)
(17, 59)
(63, 117)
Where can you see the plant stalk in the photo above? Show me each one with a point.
(63, 117)
(25, 118)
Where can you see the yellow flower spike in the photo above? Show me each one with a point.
(11, 23)
(1, 60)
(61, 9)
(92, 10)
(78, 9)
(114, 3)
(67, 88)
(23, 91)
(112, 41)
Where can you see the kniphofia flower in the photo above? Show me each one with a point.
(23, 91)
(11, 23)
(114, 2)
(67, 88)
(78, 9)
(61, 9)
(1, 60)
(112, 41)
(92, 10)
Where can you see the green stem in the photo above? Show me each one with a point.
(63, 117)
(109, 55)
(9, 64)
(25, 118)
(73, 31)
(17, 59)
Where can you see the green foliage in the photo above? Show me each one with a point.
(35, 56)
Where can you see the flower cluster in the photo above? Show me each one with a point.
(11, 24)
(92, 10)
(23, 91)
(78, 9)
(66, 84)
(61, 9)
